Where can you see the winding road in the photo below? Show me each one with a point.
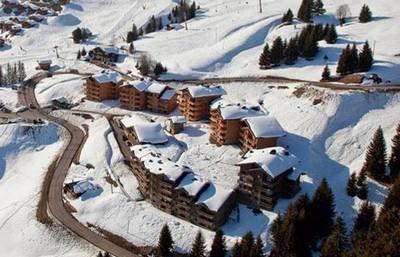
(69, 155)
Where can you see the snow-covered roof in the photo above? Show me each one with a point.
(265, 126)
(110, 49)
(140, 85)
(273, 160)
(61, 99)
(157, 164)
(150, 133)
(192, 184)
(147, 132)
(130, 121)
(214, 197)
(202, 91)
(231, 111)
(168, 94)
(107, 76)
(156, 88)
(178, 119)
(44, 62)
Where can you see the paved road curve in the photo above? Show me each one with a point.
(55, 199)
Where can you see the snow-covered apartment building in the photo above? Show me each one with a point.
(133, 95)
(247, 125)
(177, 190)
(103, 86)
(266, 175)
(194, 101)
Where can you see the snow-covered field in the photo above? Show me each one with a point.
(225, 39)
(25, 153)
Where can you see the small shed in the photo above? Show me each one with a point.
(44, 64)
(175, 124)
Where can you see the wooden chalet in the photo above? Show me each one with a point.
(266, 175)
(138, 130)
(104, 54)
(133, 95)
(194, 101)
(175, 125)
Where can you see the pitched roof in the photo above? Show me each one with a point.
(147, 132)
(214, 197)
(202, 91)
(192, 184)
(265, 126)
(157, 164)
(273, 160)
(107, 76)
(168, 94)
(232, 111)
(156, 88)
(140, 85)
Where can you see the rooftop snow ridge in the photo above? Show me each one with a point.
(203, 91)
(106, 76)
(233, 111)
(147, 132)
(273, 160)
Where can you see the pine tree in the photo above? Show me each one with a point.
(107, 254)
(365, 219)
(291, 52)
(288, 17)
(160, 24)
(265, 58)
(83, 52)
(326, 74)
(318, 7)
(365, 58)
(277, 235)
(165, 242)
(192, 11)
(14, 76)
(365, 14)
(257, 249)
(131, 48)
(21, 71)
(129, 37)
(140, 32)
(218, 247)
(100, 254)
(78, 55)
(246, 244)
(236, 251)
(351, 185)
(394, 161)
(151, 25)
(322, 210)
(343, 64)
(77, 35)
(393, 198)
(336, 243)
(305, 10)
(311, 45)
(353, 59)
(198, 247)
(331, 35)
(8, 77)
(134, 31)
(159, 69)
(362, 186)
(277, 51)
(375, 159)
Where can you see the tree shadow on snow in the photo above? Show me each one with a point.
(76, 7)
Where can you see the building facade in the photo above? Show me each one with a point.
(266, 175)
(194, 102)
(103, 86)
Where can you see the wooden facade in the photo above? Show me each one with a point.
(102, 87)
(196, 106)
(132, 98)
(135, 96)
(260, 188)
(104, 54)
(174, 193)
(175, 124)
(224, 131)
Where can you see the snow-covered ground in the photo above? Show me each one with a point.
(25, 153)
(330, 139)
(225, 39)
(68, 86)
(9, 98)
